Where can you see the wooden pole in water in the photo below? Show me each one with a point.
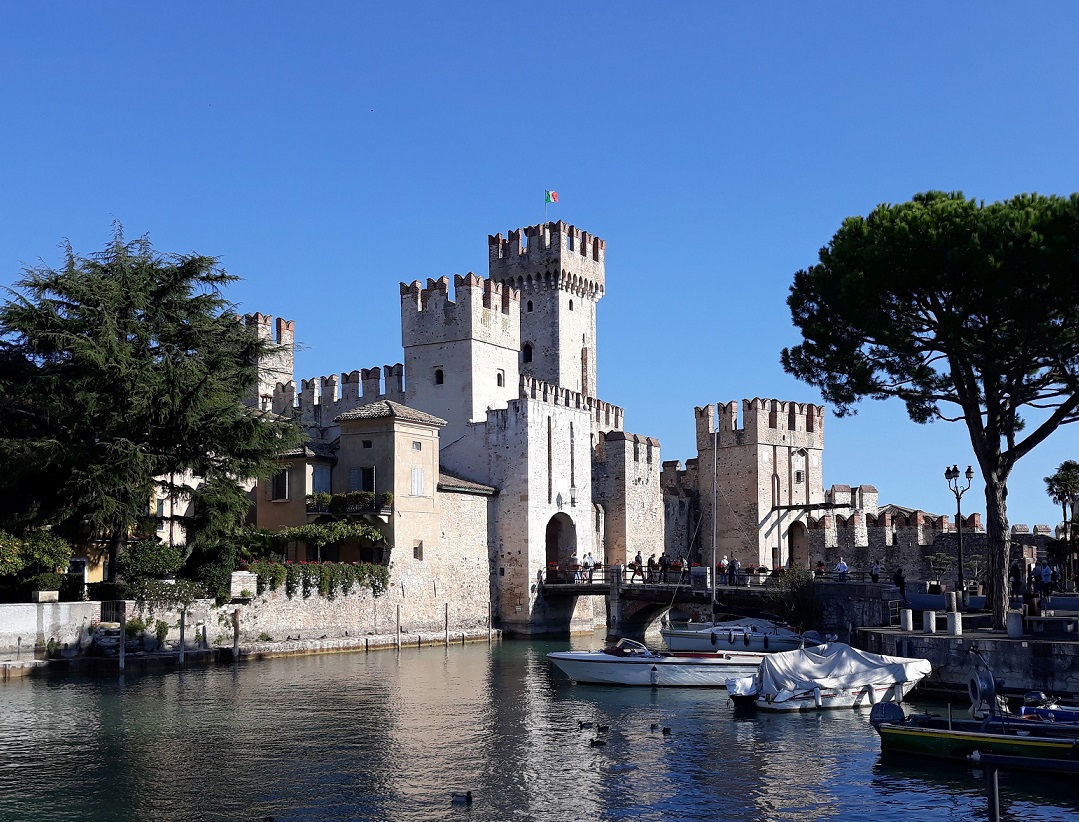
(992, 789)
(123, 635)
(398, 627)
(447, 624)
(490, 639)
(183, 615)
(236, 635)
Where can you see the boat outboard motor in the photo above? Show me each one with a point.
(886, 712)
(1035, 699)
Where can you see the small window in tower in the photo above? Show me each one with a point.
(501, 377)
(571, 305)
(417, 445)
(417, 549)
(526, 352)
(569, 241)
(799, 477)
(528, 306)
(367, 443)
(439, 376)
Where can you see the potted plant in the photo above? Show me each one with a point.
(45, 587)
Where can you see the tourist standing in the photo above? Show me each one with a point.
(589, 566)
(874, 572)
(638, 567)
(900, 583)
(664, 567)
(841, 570)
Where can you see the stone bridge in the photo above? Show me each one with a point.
(634, 609)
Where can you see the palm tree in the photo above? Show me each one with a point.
(1063, 488)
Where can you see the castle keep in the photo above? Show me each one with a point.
(491, 459)
(490, 436)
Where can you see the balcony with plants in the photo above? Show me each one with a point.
(353, 502)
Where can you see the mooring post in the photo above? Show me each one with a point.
(123, 635)
(490, 637)
(992, 789)
(447, 624)
(183, 614)
(236, 635)
(398, 626)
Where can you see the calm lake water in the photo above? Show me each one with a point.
(389, 736)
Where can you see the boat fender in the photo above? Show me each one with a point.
(817, 698)
(871, 692)
(714, 638)
(766, 642)
(730, 637)
(745, 639)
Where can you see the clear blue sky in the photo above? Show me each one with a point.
(328, 151)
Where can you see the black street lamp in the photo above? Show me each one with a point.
(952, 475)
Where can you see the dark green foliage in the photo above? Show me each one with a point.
(121, 373)
(964, 311)
(796, 599)
(149, 558)
(46, 582)
(107, 591)
(325, 578)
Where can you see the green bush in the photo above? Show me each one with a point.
(134, 627)
(46, 582)
(387, 499)
(148, 558)
(161, 631)
(107, 591)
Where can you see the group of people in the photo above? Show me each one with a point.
(1042, 578)
(842, 574)
(586, 569)
(659, 570)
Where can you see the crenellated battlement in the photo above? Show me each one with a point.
(549, 256)
(776, 422)
(283, 332)
(320, 399)
(480, 309)
(606, 417)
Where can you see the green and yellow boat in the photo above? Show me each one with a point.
(929, 735)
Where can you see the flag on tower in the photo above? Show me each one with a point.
(552, 196)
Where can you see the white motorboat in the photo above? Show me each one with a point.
(830, 676)
(755, 635)
(631, 663)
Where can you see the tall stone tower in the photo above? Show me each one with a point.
(559, 271)
(461, 355)
(276, 365)
(767, 480)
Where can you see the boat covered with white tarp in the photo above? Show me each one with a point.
(828, 676)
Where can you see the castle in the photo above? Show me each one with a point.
(491, 457)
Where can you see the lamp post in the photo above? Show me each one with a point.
(952, 476)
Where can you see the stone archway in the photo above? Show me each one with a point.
(561, 541)
(798, 546)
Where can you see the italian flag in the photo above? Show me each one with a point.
(552, 196)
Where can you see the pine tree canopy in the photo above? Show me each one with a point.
(965, 311)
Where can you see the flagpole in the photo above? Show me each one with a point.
(545, 206)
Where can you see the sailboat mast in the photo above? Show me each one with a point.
(715, 497)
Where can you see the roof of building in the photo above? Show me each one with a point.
(448, 482)
(389, 408)
(312, 448)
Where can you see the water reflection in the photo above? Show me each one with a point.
(389, 736)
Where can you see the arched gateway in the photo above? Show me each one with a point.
(561, 541)
(798, 545)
